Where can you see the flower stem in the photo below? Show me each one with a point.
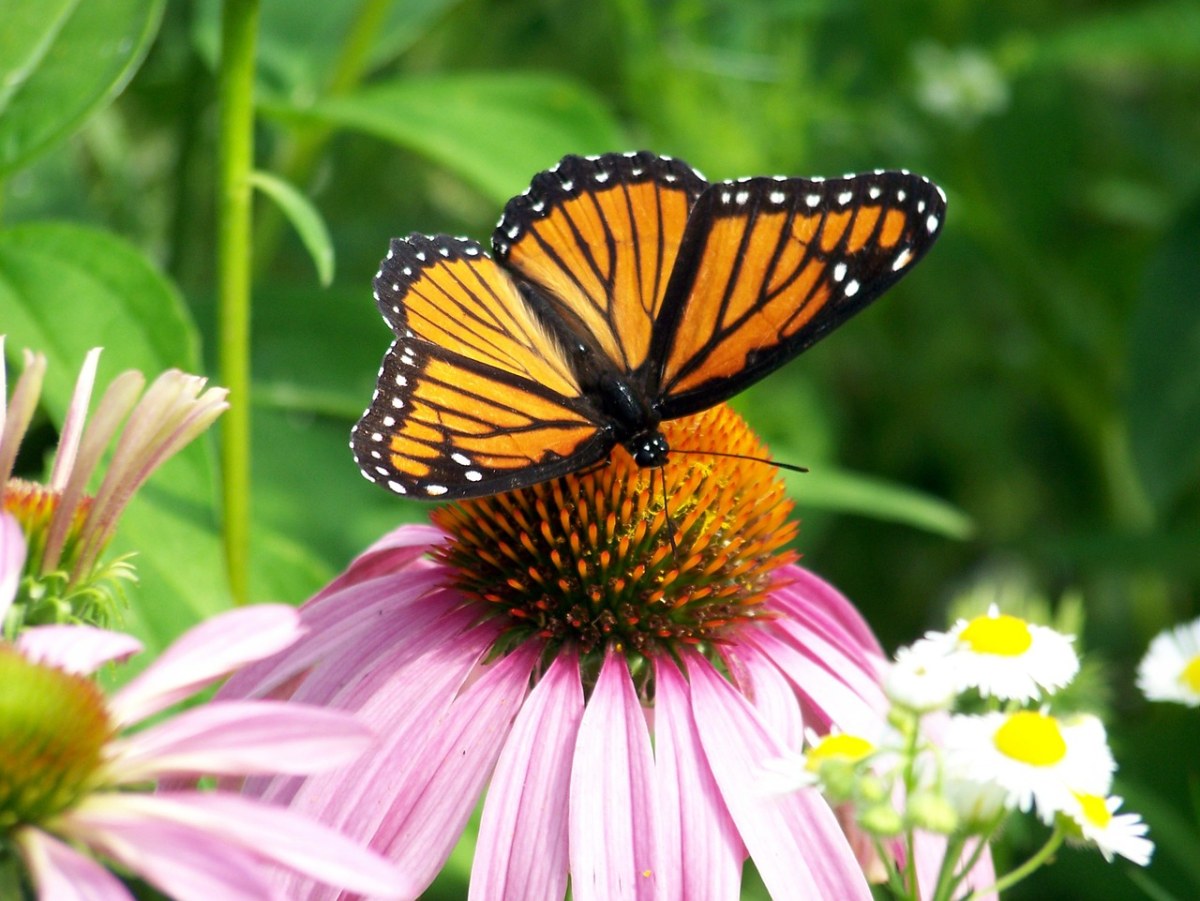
(235, 90)
(1011, 878)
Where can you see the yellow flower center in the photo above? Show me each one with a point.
(636, 558)
(53, 728)
(1094, 809)
(1003, 635)
(1190, 677)
(1031, 737)
(849, 748)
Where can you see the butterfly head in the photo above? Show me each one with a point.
(648, 449)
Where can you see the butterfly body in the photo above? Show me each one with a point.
(623, 290)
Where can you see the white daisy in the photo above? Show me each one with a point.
(1170, 671)
(838, 750)
(921, 679)
(1098, 822)
(1003, 656)
(1034, 757)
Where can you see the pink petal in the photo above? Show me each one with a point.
(396, 682)
(823, 681)
(614, 819)
(185, 863)
(338, 624)
(76, 649)
(397, 550)
(808, 594)
(770, 691)
(204, 654)
(72, 428)
(422, 829)
(233, 827)
(521, 851)
(240, 738)
(701, 850)
(12, 554)
(794, 839)
(60, 873)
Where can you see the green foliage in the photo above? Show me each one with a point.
(1027, 400)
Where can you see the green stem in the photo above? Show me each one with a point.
(1026, 869)
(235, 92)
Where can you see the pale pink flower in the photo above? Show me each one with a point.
(75, 771)
(615, 675)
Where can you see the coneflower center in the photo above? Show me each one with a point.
(53, 727)
(637, 558)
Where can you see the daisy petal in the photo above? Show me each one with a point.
(794, 839)
(226, 823)
(701, 851)
(204, 654)
(76, 649)
(241, 738)
(522, 846)
(60, 873)
(614, 820)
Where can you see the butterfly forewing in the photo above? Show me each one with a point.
(474, 396)
(598, 237)
(768, 266)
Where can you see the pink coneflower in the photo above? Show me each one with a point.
(67, 530)
(615, 658)
(74, 800)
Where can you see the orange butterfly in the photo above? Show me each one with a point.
(624, 290)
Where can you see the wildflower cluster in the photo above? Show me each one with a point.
(936, 768)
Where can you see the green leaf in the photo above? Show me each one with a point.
(65, 289)
(1163, 403)
(830, 488)
(62, 59)
(305, 218)
(492, 130)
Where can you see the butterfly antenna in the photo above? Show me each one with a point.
(790, 467)
(666, 513)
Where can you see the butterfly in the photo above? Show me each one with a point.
(622, 290)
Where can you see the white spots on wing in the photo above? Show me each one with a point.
(382, 470)
(473, 475)
(379, 273)
(932, 224)
(568, 184)
(396, 309)
(408, 333)
(401, 380)
(396, 286)
(407, 270)
(397, 487)
(397, 402)
(592, 157)
(636, 171)
(742, 197)
(813, 200)
(874, 191)
(901, 195)
(444, 251)
(376, 455)
(743, 179)
(777, 197)
(460, 459)
(513, 231)
(538, 205)
(845, 197)
(375, 294)
(902, 259)
(502, 247)
(436, 490)
(602, 176)
(630, 154)
(670, 178)
(420, 255)
(389, 421)
(941, 193)
(726, 196)
(377, 437)
(779, 178)
(817, 179)
(839, 272)
(851, 288)
(471, 250)
(407, 360)
(920, 206)
(389, 254)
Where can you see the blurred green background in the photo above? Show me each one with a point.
(1018, 419)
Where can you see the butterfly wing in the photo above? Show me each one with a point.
(598, 237)
(770, 265)
(474, 395)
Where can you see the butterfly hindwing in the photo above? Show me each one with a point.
(598, 237)
(770, 265)
(474, 396)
